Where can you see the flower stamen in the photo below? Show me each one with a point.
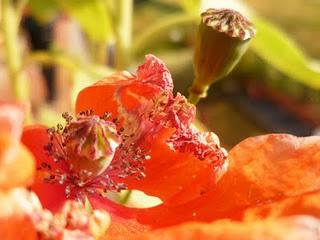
(92, 156)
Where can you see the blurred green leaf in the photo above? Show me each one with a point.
(48, 117)
(81, 80)
(190, 6)
(160, 28)
(276, 48)
(71, 62)
(43, 10)
(93, 16)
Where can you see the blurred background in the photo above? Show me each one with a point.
(51, 49)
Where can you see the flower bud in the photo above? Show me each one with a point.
(223, 38)
(90, 143)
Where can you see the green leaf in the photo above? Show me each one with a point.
(43, 10)
(71, 62)
(93, 16)
(190, 6)
(48, 117)
(160, 28)
(81, 81)
(277, 49)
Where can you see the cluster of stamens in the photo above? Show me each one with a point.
(91, 156)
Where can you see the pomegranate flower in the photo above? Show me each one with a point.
(131, 132)
(140, 136)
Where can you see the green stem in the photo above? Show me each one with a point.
(123, 44)
(193, 98)
(101, 50)
(70, 62)
(10, 29)
(21, 4)
(123, 33)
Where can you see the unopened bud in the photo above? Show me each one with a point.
(223, 38)
(90, 143)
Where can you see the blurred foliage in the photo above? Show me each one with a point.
(86, 13)
(277, 49)
(43, 11)
(97, 20)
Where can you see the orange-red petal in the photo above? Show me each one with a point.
(263, 170)
(293, 228)
(16, 163)
(306, 204)
(271, 167)
(267, 157)
(17, 167)
(52, 196)
(11, 120)
(15, 223)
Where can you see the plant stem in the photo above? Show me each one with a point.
(123, 33)
(123, 44)
(194, 99)
(10, 29)
(68, 61)
(21, 4)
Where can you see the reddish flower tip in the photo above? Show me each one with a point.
(155, 72)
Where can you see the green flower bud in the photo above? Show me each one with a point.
(223, 38)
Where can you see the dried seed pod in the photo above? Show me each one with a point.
(223, 38)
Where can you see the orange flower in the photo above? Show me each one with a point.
(140, 137)
(21, 215)
(16, 170)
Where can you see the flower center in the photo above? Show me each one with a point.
(91, 155)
